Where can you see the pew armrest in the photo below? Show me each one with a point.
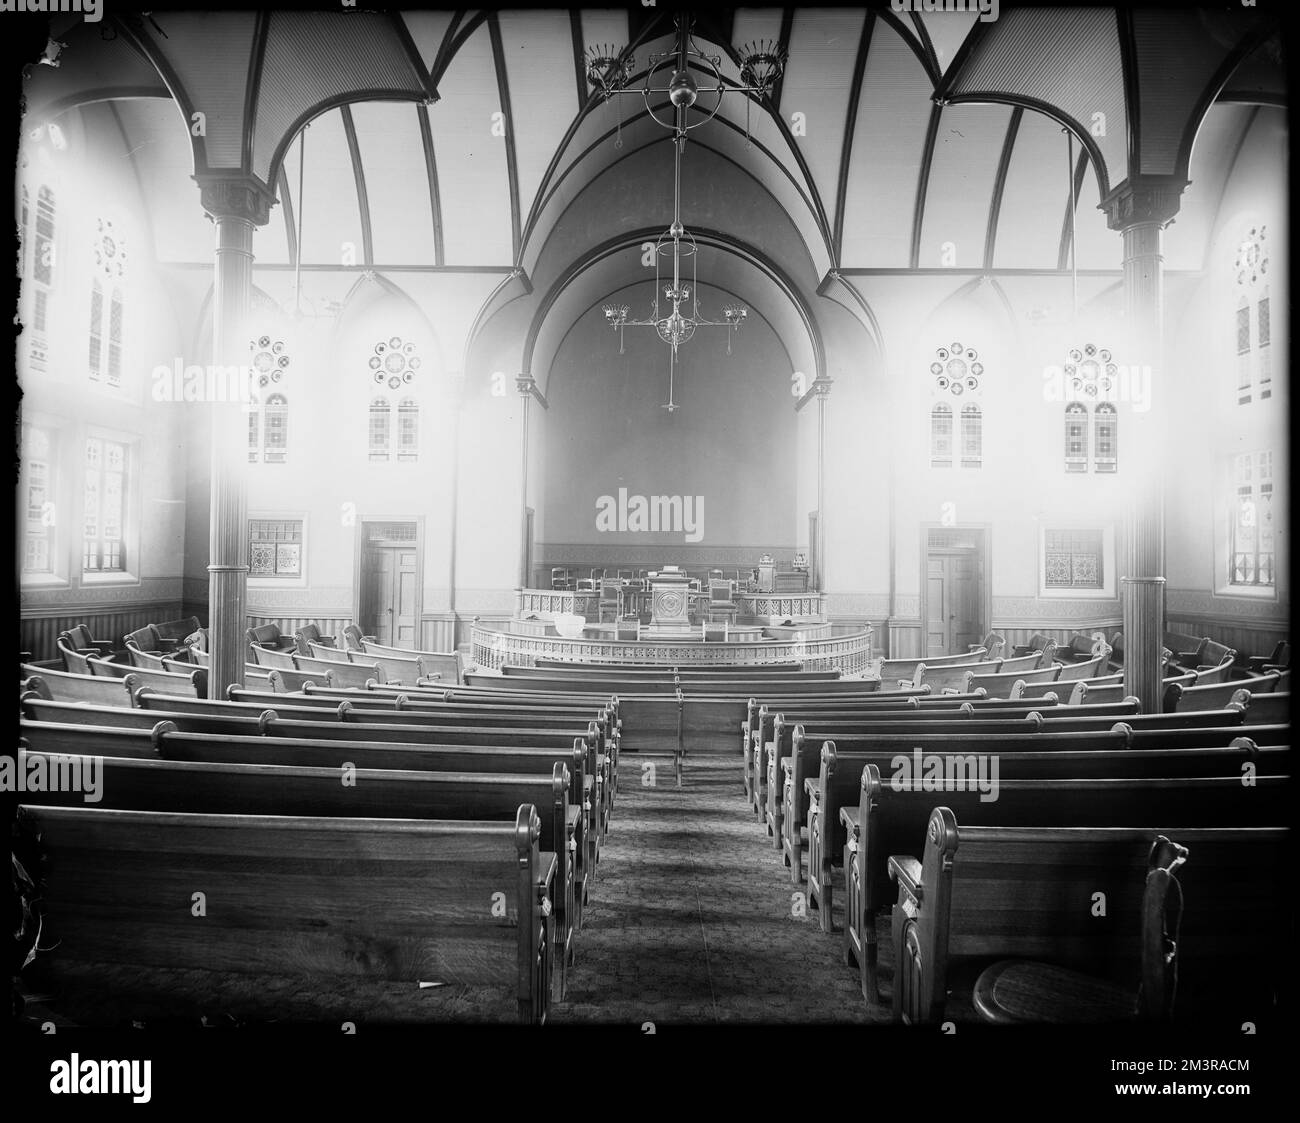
(810, 786)
(849, 817)
(907, 872)
(787, 765)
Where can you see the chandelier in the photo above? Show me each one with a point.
(610, 73)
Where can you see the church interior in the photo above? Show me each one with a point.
(515, 508)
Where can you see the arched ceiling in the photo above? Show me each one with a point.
(459, 140)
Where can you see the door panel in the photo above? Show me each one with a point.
(954, 602)
(404, 598)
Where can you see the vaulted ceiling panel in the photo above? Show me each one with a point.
(1065, 57)
(91, 67)
(427, 31)
(823, 47)
(967, 148)
(539, 61)
(1028, 234)
(946, 31)
(312, 60)
(888, 143)
(397, 185)
(329, 209)
(158, 142)
(473, 178)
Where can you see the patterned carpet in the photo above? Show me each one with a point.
(693, 917)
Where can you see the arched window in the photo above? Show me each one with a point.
(379, 428)
(106, 305)
(941, 436)
(39, 269)
(1076, 438)
(408, 429)
(394, 364)
(972, 436)
(275, 429)
(1106, 438)
(1251, 548)
(1251, 316)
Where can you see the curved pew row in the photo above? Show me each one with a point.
(406, 901)
(787, 804)
(164, 741)
(205, 787)
(991, 892)
(868, 818)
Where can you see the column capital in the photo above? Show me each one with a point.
(1143, 199)
(820, 389)
(235, 195)
(527, 386)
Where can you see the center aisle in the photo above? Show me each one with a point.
(693, 918)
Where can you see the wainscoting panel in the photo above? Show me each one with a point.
(39, 633)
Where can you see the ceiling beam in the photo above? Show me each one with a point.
(412, 54)
(435, 193)
(359, 176)
(286, 210)
(923, 183)
(999, 184)
(850, 127)
(256, 63)
(927, 45)
(512, 168)
(1132, 93)
(782, 43)
(910, 41)
(579, 56)
(1063, 253)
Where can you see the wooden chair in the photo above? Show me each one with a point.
(721, 603)
(992, 645)
(308, 634)
(270, 637)
(611, 599)
(174, 632)
(1279, 660)
(79, 639)
(145, 639)
(560, 578)
(354, 640)
(1037, 642)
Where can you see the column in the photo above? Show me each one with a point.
(822, 388)
(236, 204)
(1140, 208)
(528, 390)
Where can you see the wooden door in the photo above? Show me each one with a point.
(953, 602)
(389, 595)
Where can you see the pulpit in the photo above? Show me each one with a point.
(670, 601)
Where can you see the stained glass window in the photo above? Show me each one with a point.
(275, 547)
(1252, 549)
(1076, 438)
(1106, 439)
(379, 428)
(408, 429)
(1250, 271)
(972, 436)
(1072, 559)
(104, 506)
(275, 429)
(37, 500)
(941, 436)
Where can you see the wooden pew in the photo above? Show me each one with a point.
(328, 654)
(1035, 661)
(165, 741)
(1264, 708)
(273, 657)
(76, 661)
(787, 804)
(96, 690)
(1085, 668)
(1179, 698)
(277, 680)
(194, 684)
(406, 900)
(939, 679)
(880, 817)
(999, 684)
(996, 891)
(894, 671)
(271, 789)
(355, 675)
(445, 665)
(1042, 689)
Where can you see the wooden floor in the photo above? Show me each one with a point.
(692, 917)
